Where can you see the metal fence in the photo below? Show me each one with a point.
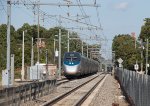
(14, 96)
(136, 86)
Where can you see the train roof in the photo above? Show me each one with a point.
(82, 56)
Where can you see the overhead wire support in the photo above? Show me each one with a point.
(57, 4)
(84, 13)
(3, 8)
(83, 17)
(83, 28)
(82, 22)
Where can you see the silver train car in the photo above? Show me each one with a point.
(75, 65)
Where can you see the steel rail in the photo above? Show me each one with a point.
(58, 98)
(80, 101)
(61, 82)
(61, 79)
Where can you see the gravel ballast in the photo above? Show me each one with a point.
(109, 93)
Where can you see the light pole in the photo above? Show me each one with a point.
(7, 81)
(146, 56)
(32, 54)
(87, 51)
(22, 71)
(82, 47)
(59, 70)
(113, 60)
(46, 56)
(142, 56)
(68, 43)
(38, 35)
(54, 51)
(55, 48)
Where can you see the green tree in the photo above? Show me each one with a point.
(31, 31)
(75, 44)
(144, 35)
(3, 30)
(145, 30)
(124, 47)
(48, 36)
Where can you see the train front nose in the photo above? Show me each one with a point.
(71, 69)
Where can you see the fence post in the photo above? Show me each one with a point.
(148, 90)
(30, 90)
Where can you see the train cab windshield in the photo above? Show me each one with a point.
(72, 58)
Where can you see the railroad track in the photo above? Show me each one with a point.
(59, 82)
(77, 95)
(64, 78)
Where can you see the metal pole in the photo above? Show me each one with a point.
(46, 56)
(142, 56)
(87, 51)
(8, 41)
(12, 69)
(22, 71)
(54, 51)
(59, 72)
(32, 55)
(135, 42)
(90, 55)
(38, 36)
(68, 42)
(82, 47)
(135, 48)
(146, 57)
(46, 61)
(59, 61)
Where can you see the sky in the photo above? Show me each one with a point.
(114, 16)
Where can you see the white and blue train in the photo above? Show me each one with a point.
(75, 65)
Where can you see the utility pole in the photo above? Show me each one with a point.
(38, 36)
(8, 42)
(32, 54)
(142, 56)
(68, 43)
(46, 56)
(82, 47)
(87, 51)
(136, 63)
(12, 69)
(146, 57)
(22, 71)
(59, 70)
(54, 51)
